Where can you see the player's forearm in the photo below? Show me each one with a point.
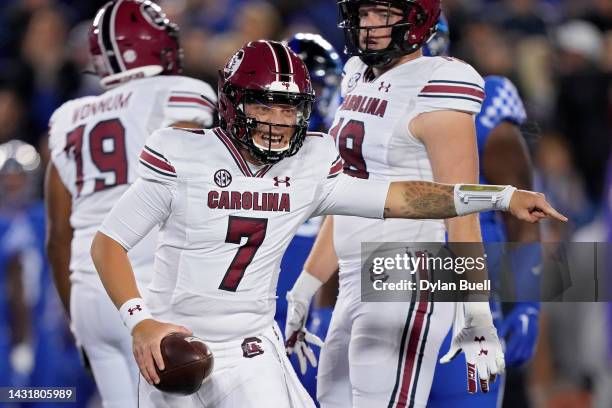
(428, 200)
(423, 199)
(420, 199)
(114, 268)
(322, 261)
(58, 253)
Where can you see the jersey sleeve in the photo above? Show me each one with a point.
(189, 100)
(341, 194)
(143, 206)
(148, 201)
(154, 164)
(502, 103)
(453, 85)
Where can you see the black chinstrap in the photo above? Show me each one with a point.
(382, 57)
(398, 46)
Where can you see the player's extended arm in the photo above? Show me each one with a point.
(520, 326)
(58, 202)
(429, 200)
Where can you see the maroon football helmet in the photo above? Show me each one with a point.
(266, 73)
(417, 25)
(133, 39)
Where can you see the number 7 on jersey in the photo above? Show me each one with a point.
(254, 229)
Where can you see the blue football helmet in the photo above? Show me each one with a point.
(20, 165)
(439, 43)
(325, 67)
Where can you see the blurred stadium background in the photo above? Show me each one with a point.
(557, 52)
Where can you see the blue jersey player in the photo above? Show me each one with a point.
(7, 257)
(57, 362)
(43, 353)
(503, 159)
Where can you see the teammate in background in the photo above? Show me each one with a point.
(403, 116)
(230, 200)
(504, 159)
(46, 355)
(94, 143)
(325, 68)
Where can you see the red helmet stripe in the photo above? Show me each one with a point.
(289, 59)
(107, 44)
(275, 59)
(284, 64)
(113, 25)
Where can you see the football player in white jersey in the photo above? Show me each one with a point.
(404, 116)
(229, 201)
(95, 142)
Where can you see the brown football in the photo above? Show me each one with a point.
(188, 362)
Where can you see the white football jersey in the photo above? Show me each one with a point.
(95, 142)
(226, 225)
(372, 135)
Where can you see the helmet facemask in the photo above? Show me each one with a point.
(271, 125)
(401, 18)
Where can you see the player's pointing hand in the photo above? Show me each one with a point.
(532, 207)
(146, 340)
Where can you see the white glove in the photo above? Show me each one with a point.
(483, 351)
(296, 335)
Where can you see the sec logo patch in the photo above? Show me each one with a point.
(223, 178)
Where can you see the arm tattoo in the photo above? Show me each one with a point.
(423, 199)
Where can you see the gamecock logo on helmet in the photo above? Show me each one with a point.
(233, 64)
(152, 13)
